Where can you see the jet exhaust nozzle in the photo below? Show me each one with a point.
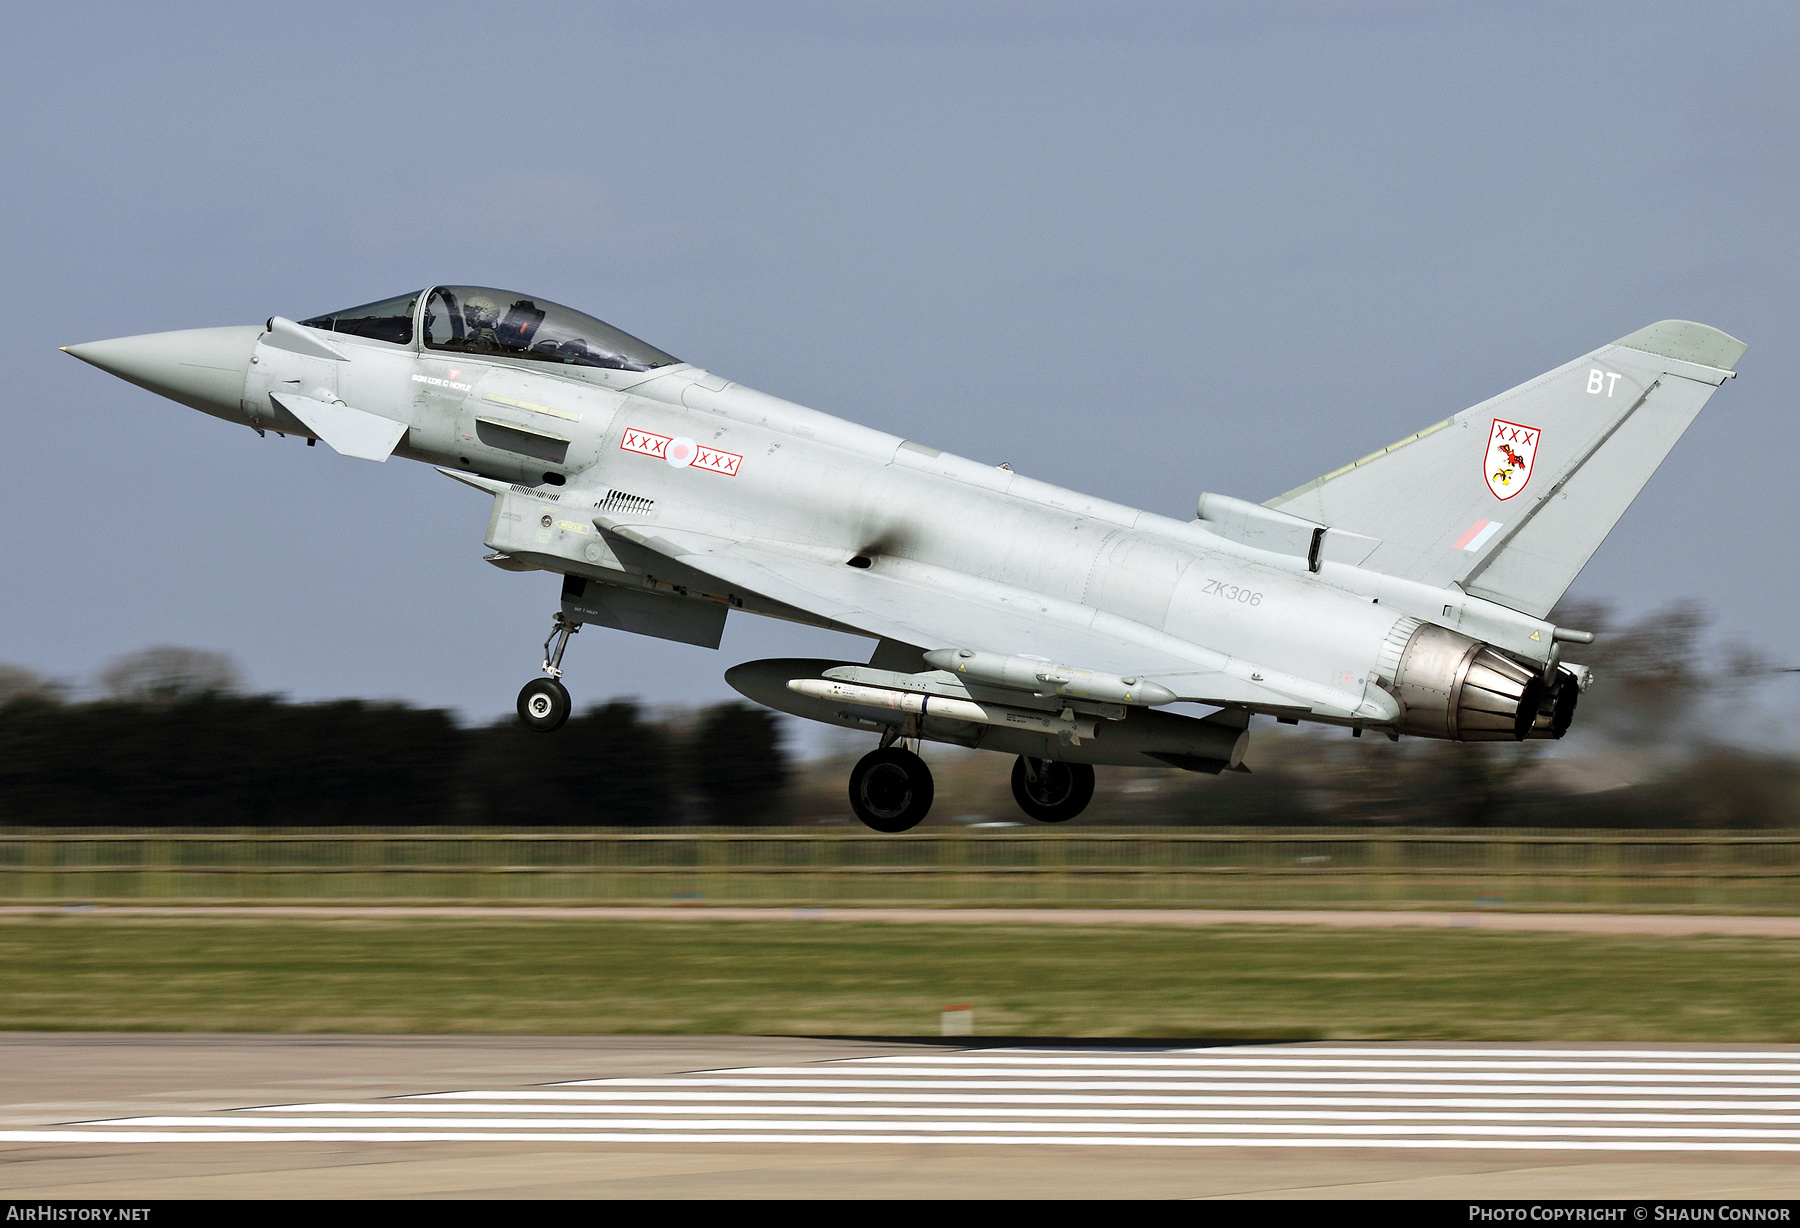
(1457, 688)
(1556, 711)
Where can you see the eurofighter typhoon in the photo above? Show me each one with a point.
(1406, 593)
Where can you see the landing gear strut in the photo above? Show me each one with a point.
(890, 789)
(1050, 791)
(544, 702)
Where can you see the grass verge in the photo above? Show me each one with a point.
(527, 976)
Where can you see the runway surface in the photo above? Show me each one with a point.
(1097, 1119)
(1660, 924)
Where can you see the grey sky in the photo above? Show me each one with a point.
(1140, 250)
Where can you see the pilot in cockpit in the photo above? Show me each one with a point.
(481, 319)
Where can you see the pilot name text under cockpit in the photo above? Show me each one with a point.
(435, 382)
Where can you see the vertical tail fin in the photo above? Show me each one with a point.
(1510, 499)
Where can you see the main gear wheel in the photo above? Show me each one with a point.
(1051, 791)
(891, 789)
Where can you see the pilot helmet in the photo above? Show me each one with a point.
(480, 314)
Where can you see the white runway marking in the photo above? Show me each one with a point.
(1048, 1062)
(1263, 1096)
(1123, 1083)
(551, 1101)
(894, 1110)
(1226, 1068)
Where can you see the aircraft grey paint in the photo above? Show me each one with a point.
(1404, 593)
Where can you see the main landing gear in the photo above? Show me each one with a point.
(1050, 791)
(890, 787)
(544, 702)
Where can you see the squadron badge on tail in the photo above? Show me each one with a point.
(1511, 448)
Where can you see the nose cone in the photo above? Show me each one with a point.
(203, 368)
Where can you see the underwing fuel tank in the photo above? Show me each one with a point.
(1457, 688)
(1068, 726)
(854, 697)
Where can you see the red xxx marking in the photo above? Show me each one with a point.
(648, 443)
(645, 442)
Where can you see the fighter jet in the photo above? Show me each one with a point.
(1406, 593)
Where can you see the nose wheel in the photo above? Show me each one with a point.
(544, 702)
(1052, 792)
(890, 789)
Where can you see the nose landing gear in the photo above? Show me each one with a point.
(1050, 791)
(544, 702)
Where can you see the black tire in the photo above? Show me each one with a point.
(891, 789)
(544, 704)
(1059, 793)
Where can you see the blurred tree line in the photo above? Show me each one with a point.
(172, 740)
(1670, 736)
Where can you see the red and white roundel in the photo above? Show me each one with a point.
(1510, 452)
(681, 452)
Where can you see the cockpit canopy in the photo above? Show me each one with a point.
(478, 320)
(501, 323)
(389, 320)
